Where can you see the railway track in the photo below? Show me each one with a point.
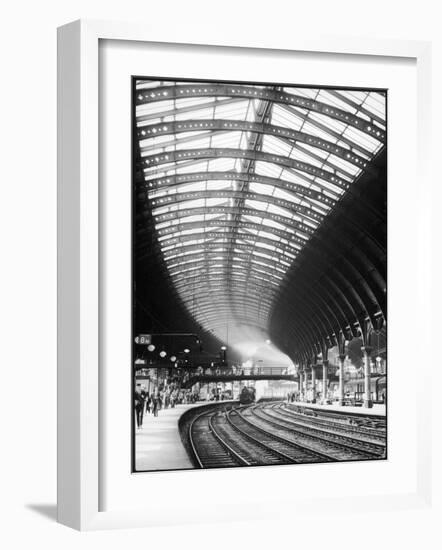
(218, 440)
(335, 445)
(363, 423)
(209, 448)
(271, 434)
(338, 433)
(343, 426)
(272, 442)
(268, 435)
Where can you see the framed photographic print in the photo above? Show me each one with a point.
(244, 193)
(234, 228)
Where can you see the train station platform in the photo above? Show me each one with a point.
(376, 410)
(158, 444)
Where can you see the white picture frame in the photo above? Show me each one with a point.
(79, 322)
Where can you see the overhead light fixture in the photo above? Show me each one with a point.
(151, 347)
(173, 358)
(163, 353)
(186, 350)
(223, 348)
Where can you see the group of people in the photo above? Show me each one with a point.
(164, 398)
(145, 403)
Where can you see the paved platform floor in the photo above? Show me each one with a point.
(376, 410)
(158, 444)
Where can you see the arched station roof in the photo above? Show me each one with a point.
(247, 191)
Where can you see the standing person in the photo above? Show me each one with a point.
(139, 405)
(155, 404)
(148, 402)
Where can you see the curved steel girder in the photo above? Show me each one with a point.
(254, 311)
(356, 106)
(189, 249)
(309, 332)
(234, 275)
(254, 315)
(228, 288)
(249, 306)
(203, 259)
(303, 323)
(363, 269)
(176, 242)
(291, 207)
(320, 308)
(352, 286)
(246, 177)
(234, 290)
(202, 265)
(305, 318)
(215, 321)
(169, 157)
(234, 211)
(309, 209)
(320, 323)
(303, 212)
(362, 217)
(176, 127)
(164, 93)
(305, 329)
(234, 296)
(227, 275)
(368, 266)
(333, 311)
(370, 258)
(219, 299)
(184, 109)
(252, 270)
(228, 224)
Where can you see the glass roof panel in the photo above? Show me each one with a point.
(233, 249)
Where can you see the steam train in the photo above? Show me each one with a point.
(247, 396)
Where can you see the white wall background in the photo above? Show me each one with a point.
(28, 267)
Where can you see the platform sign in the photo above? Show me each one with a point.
(144, 339)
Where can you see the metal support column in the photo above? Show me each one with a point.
(366, 350)
(341, 380)
(324, 380)
(300, 384)
(313, 384)
(305, 385)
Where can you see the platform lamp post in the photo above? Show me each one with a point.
(224, 355)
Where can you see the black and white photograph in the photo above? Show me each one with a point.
(259, 274)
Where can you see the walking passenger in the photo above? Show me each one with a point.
(155, 400)
(139, 406)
